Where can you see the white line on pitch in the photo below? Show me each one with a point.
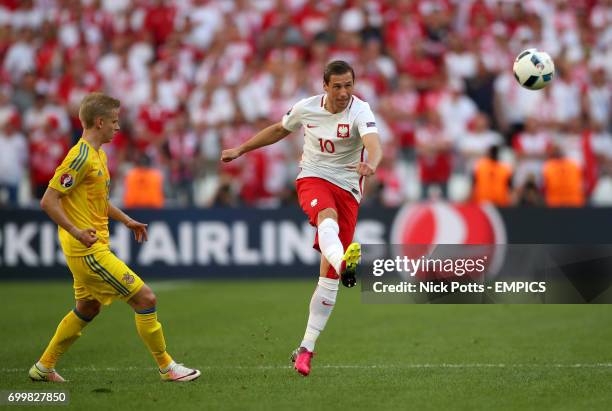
(340, 366)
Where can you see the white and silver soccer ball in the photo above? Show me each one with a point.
(533, 69)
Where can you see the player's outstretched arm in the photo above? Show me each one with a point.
(265, 137)
(52, 205)
(139, 229)
(373, 147)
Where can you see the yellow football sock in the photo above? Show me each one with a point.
(68, 330)
(150, 330)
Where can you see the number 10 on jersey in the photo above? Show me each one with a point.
(327, 146)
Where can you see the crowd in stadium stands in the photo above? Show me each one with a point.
(197, 76)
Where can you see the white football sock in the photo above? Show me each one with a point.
(321, 306)
(330, 244)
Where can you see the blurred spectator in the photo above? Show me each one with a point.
(19, 58)
(562, 102)
(563, 182)
(385, 188)
(225, 195)
(433, 147)
(150, 123)
(373, 193)
(159, 19)
(34, 117)
(144, 186)
(529, 194)
(477, 141)
(24, 93)
(456, 110)
(48, 147)
(400, 108)
(492, 180)
(598, 97)
(601, 142)
(264, 175)
(531, 148)
(513, 104)
(7, 109)
(37, 115)
(181, 148)
(79, 79)
(460, 60)
(117, 153)
(13, 160)
(422, 67)
(587, 147)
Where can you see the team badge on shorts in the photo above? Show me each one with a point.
(66, 180)
(128, 278)
(343, 130)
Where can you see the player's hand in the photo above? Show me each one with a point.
(86, 236)
(139, 229)
(230, 154)
(363, 169)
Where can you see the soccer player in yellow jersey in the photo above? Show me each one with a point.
(77, 199)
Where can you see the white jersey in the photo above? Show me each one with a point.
(332, 141)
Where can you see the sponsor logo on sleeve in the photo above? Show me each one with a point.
(343, 131)
(66, 180)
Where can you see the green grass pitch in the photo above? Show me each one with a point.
(371, 357)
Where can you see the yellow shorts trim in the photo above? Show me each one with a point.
(103, 277)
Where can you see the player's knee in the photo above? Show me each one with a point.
(151, 300)
(145, 298)
(88, 309)
(327, 213)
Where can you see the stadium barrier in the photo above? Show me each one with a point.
(254, 243)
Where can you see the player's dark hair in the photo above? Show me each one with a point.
(337, 67)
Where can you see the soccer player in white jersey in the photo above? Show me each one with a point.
(338, 127)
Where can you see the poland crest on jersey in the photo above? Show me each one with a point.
(343, 131)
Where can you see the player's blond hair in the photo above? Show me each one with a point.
(96, 105)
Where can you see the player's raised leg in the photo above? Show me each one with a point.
(329, 240)
(68, 331)
(150, 330)
(344, 262)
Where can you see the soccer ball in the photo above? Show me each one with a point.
(533, 69)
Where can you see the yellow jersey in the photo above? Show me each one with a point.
(84, 180)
